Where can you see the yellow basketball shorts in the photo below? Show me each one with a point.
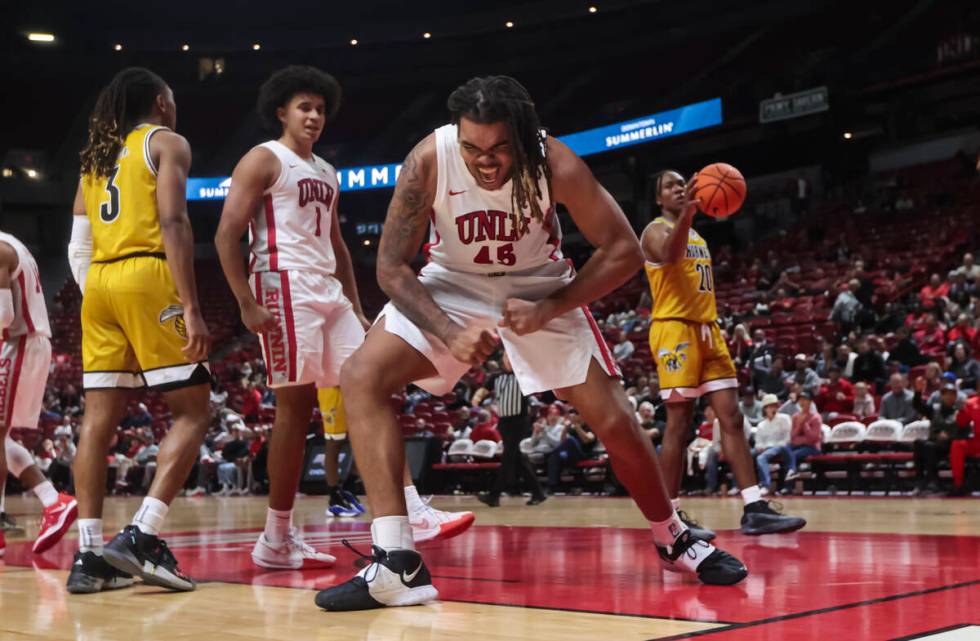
(692, 359)
(133, 328)
(332, 411)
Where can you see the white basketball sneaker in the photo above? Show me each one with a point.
(391, 578)
(292, 554)
(430, 524)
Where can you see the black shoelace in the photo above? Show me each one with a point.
(688, 521)
(683, 544)
(366, 560)
(161, 555)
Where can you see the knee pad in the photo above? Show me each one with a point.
(18, 458)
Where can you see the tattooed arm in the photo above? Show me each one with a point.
(404, 230)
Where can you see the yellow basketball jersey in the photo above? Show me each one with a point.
(684, 290)
(122, 206)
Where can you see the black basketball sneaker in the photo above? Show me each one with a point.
(690, 553)
(388, 578)
(90, 573)
(763, 517)
(702, 533)
(147, 557)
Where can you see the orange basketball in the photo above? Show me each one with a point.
(720, 190)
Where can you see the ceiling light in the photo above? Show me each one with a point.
(8, 172)
(848, 135)
(40, 37)
(353, 42)
(185, 47)
(256, 47)
(509, 24)
(118, 47)
(32, 173)
(367, 242)
(593, 9)
(426, 35)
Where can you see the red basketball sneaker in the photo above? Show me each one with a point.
(56, 521)
(430, 524)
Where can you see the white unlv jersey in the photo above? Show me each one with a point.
(30, 313)
(291, 229)
(475, 230)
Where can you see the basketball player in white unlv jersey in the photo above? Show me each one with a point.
(25, 356)
(488, 183)
(300, 295)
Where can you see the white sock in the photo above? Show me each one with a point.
(676, 503)
(90, 536)
(3, 496)
(666, 532)
(46, 492)
(392, 533)
(752, 494)
(149, 518)
(412, 499)
(277, 524)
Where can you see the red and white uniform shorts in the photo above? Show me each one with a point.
(24, 364)
(556, 356)
(316, 332)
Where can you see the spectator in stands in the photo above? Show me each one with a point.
(741, 345)
(847, 307)
(904, 203)
(934, 379)
(824, 359)
(642, 391)
(219, 395)
(968, 417)
(146, 457)
(905, 350)
(139, 416)
(763, 351)
(836, 396)
(960, 292)
(45, 456)
(964, 367)
(251, 401)
(714, 455)
(969, 268)
(897, 404)
(548, 433)
(805, 375)
(624, 348)
(485, 428)
(773, 381)
(772, 436)
(943, 429)
(576, 447)
(864, 401)
(64, 456)
(963, 331)
(845, 360)
(70, 401)
(930, 294)
(806, 436)
(646, 415)
(869, 366)
(234, 455)
(749, 406)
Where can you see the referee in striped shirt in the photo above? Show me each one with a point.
(514, 426)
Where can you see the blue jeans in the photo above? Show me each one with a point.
(567, 454)
(227, 474)
(801, 452)
(762, 462)
(711, 469)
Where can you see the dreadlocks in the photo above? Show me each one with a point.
(119, 108)
(501, 98)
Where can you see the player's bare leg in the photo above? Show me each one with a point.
(604, 407)
(60, 509)
(759, 517)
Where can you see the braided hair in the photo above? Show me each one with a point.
(121, 105)
(493, 99)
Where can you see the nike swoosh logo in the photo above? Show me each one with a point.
(456, 193)
(407, 578)
(292, 166)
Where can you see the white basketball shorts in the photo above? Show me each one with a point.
(316, 331)
(24, 364)
(554, 357)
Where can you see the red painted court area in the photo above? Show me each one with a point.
(807, 586)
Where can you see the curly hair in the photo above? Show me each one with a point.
(493, 99)
(121, 105)
(281, 86)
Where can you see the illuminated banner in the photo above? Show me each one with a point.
(592, 141)
(646, 128)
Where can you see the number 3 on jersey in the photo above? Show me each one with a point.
(706, 284)
(505, 255)
(109, 210)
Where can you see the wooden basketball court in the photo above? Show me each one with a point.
(572, 568)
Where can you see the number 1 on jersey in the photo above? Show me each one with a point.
(317, 233)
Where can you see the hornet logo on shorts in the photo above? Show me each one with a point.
(175, 312)
(674, 359)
